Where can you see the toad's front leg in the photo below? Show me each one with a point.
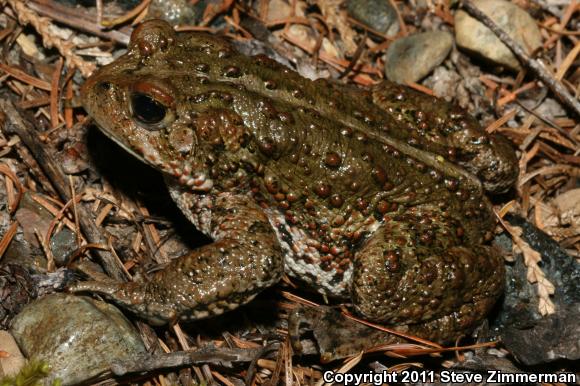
(244, 259)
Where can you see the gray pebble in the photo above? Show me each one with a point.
(412, 58)
(377, 14)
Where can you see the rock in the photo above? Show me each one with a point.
(77, 336)
(474, 37)
(532, 338)
(176, 11)
(377, 14)
(63, 244)
(549, 108)
(25, 255)
(11, 359)
(444, 83)
(554, 337)
(33, 218)
(412, 58)
(36, 220)
(458, 81)
(278, 9)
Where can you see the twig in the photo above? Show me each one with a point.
(73, 194)
(402, 25)
(220, 356)
(79, 19)
(132, 14)
(7, 238)
(26, 78)
(359, 50)
(55, 93)
(557, 88)
(11, 178)
(50, 265)
(17, 125)
(253, 366)
(549, 123)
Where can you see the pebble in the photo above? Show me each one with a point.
(377, 14)
(76, 335)
(176, 11)
(63, 244)
(475, 38)
(549, 108)
(411, 58)
(278, 9)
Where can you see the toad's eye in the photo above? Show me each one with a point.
(147, 110)
(105, 86)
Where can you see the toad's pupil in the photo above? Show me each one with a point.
(146, 109)
(105, 86)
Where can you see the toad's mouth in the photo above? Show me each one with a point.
(181, 172)
(121, 144)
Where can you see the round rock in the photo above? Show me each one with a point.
(63, 244)
(377, 14)
(76, 335)
(177, 11)
(412, 58)
(477, 39)
(278, 9)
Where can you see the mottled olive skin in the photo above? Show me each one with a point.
(372, 196)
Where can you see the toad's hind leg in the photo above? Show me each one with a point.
(244, 259)
(416, 272)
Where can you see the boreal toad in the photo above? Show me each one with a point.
(372, 196)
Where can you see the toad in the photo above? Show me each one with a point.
(376, 197)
